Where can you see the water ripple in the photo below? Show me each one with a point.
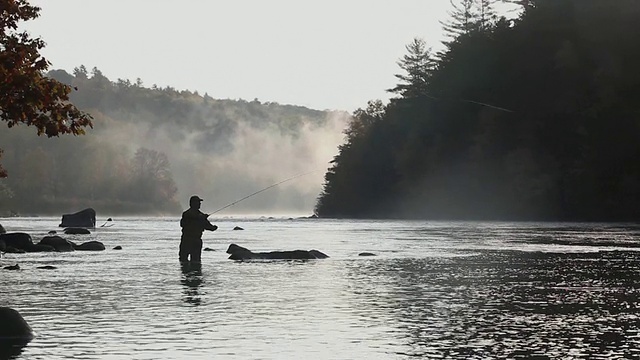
(435, 290)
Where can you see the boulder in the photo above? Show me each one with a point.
(240, 253)
(22, 241)
(85, 218)
(238, 228)
(90, 246)
(3, 246)
(59, 244)
(366, 254)
(15, 333)
(14, 327)
(2, 230)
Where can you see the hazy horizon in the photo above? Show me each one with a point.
(323, 55)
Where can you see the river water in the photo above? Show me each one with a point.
(458, 290)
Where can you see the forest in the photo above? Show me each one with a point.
(150, 148)
(531, 118)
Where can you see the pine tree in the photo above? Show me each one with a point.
(418, 65)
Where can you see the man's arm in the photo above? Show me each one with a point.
(207, 225)
(211, 227)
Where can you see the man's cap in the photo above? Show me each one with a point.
(194, 198)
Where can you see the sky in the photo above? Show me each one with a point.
(325, 55)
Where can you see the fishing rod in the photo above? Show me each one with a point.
(265, 189)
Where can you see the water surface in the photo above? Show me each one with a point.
(460, 290)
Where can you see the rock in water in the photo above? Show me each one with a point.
(15, 333)
(58, 243)
(90, 246)
(240, 253)
(14, 327)
(85, 218)
(21, 241)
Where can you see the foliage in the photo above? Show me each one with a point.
(534, 118)
(27, 96)
(142, 138)
(151, 176)
(470, 16)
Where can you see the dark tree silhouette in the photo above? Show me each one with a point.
(533, 118)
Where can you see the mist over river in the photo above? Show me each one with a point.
(459, 290)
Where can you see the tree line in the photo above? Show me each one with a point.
(121, 166)
(530, 118)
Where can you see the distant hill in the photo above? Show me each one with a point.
(151, 148)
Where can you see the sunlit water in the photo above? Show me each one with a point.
(434, 290)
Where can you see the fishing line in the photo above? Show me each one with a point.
(471, 102)
(265, 189)
(487, 105)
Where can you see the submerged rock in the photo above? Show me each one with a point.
(240, 253)
(12, 250)
(40, 248)
(90, 246)
(75, 231)
(47, 267)
(366, 254)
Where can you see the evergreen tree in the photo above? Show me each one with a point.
(464, 19)
(418, 65)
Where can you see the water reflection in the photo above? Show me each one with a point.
(192, 281)
(506, 304)
(11, 349)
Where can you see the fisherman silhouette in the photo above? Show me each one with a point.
(193, 223)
